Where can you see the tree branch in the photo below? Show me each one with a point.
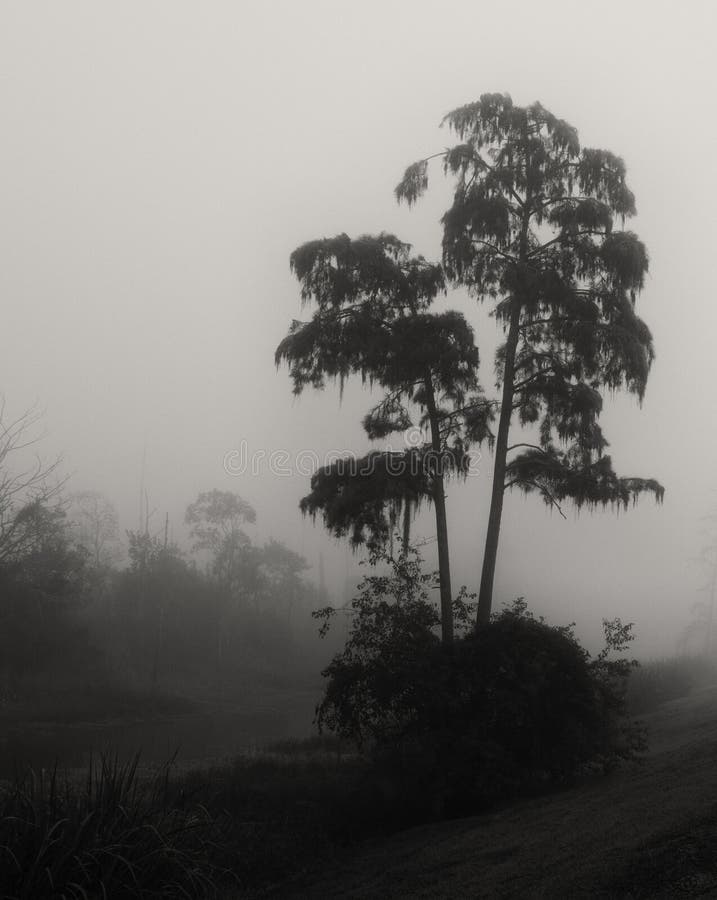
(495, 249)
(531, 446)
(563, 237)
(543, 490)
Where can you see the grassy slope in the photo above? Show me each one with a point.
(647, 831)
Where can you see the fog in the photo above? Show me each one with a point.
(160, 161)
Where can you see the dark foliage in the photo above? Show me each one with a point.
(510, 708)
(363, 498)
(532, 229)
(372, 319)
(43, 588)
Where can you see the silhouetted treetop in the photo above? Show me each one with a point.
(372, 319)
(333, 271)
(536, 227)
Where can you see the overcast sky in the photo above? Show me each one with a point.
(161, 160)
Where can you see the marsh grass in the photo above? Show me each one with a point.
(114, 834)
(121, 830)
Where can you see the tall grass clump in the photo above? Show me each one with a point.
(113, 834)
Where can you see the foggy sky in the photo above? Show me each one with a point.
(161, 160)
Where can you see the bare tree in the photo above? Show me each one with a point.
(97, 524)
(27, 482)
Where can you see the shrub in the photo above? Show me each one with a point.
(506, 709)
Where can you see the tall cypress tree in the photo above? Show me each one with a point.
(531, 230)
(372, 318)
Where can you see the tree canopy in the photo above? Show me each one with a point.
(533, 229)
(372, 319)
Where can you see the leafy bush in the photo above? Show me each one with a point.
(506, 709)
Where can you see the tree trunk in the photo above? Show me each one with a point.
(406, 526)
(158, 640)
(439, 504)
(444, 572)
(490, 555)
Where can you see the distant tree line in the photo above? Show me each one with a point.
(78, 604)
